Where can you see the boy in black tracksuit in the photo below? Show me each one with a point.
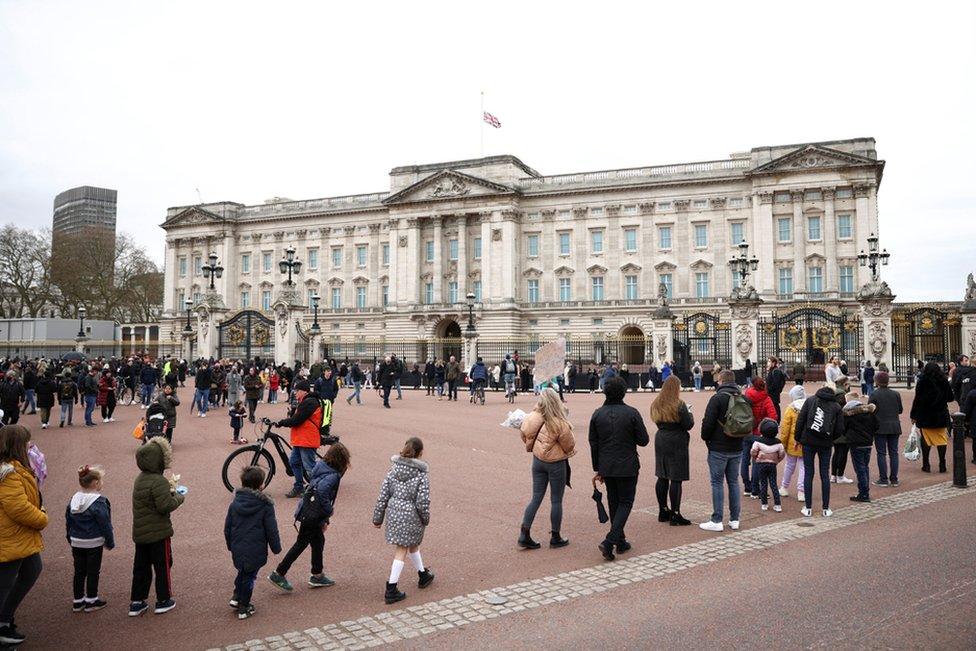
(249, 529)
(819, 425)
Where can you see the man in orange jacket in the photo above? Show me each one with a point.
(305, 439)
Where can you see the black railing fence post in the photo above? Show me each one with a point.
(959, 450)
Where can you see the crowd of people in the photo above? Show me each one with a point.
(744, 430)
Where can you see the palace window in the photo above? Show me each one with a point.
(429, 248)
(197, 265)
(308, 296)
(664, 237)
(386, 295)
(428, 293)
(630, 288)
(477, 248)
(815, 280)
(182, 266)
(266, 263)
(452, 292)
(785, 281)
(452, 249)
(246, 263)
(565, 289)
(533, 290)
(386, 253)
(596, 212)
(784, 229)
(701, 236)
(630, 239)
(360, 297)
(847, 280)
(663, 205)
(337, 257)
(738, 233)
(666, 280)
(813, 229)
(313, 259)
(843, 193)
(781, 197)
(812, 195)
(596, 241)
(597, 285)
(533, 245)
(476, 290)
(564, 322)
(630, 210)
(266, 300)
(197, 297)
(180, 298)
(735, 202)
(700, 203)
(701, 284)
(245, 300)
(564, 243)
(336, 298)
(845, 226)
(361, 255)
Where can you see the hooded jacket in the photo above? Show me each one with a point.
(479, 371)
(860, 424)
(762, 407)
(325, 482)
(930, 406)
(404, 501)
(21, 517)
(153, 497)
(46, 388)
(168, 403)
(713, 430)
(820, 422)
(250, 528)
(88, 521)
(787, 431)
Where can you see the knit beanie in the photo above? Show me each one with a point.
(768, 428)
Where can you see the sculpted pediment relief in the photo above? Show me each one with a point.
(701, 264)
(665, 266)
(532, 272)
(563, 270)
(630, 266)
(814, 157)
(596, 269)
(193, 215)
(448, 184)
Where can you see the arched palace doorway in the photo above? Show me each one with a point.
(448, 340)
(631, 345)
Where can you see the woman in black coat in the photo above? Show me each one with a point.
(673, 420)
(46, 388)
(930, 413)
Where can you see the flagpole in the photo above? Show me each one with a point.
(481, 121)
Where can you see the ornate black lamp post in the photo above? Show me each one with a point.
(315, 313)
(81, 326)
(189, 306)
(743, 264)
(470, 299)
(873, 258)
(213, 269)
(290, 265)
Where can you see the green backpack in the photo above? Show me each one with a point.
(738, 421)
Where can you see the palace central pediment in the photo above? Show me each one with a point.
(815, 157)
(448, 185)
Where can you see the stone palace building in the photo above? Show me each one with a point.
(575, 255)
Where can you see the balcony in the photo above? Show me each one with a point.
(637, 174)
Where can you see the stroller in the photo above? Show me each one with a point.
(156, 423)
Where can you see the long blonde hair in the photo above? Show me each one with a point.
(665, 407)
(553, 413)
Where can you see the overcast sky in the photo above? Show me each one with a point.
(250, 101)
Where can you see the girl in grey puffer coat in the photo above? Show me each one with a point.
(404, 500)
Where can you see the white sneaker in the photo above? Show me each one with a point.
(833, 479)
(203, 415)
(764, 507)
(734, 525)
(801, 497)
(844, 480)
(43, 425)
(777, 508)
(807, 513)
(711, 526)
(827, 513)
(783, 492)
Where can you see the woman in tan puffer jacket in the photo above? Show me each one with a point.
(548, 435)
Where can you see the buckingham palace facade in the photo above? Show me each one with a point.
(581, 254)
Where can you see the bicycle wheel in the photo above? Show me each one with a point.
(248, 455)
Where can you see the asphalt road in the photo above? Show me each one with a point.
(480, 485)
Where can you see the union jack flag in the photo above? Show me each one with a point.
(492, 120)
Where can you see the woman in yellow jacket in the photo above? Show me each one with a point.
(794, 451)
(21, 520)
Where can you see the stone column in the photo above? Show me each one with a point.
(831, 268)
(438, 279)
(170, 278)
(876, 323)
(862, 227)
(412, 296)
(486, 257)
(510, 260)
(969, 320)
(462, 262)
(393, 273)
(470, 353)
(799, 243)
(207, 333)
(288, 309)
(745, 331)
(80, 344)
(764, 234)
(663, 339)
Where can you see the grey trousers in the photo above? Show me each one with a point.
(552, 475)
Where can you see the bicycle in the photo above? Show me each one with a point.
(256, 455)
(478, 393)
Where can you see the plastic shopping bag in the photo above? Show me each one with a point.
(912, 451)
(514, 419)
(139, 430)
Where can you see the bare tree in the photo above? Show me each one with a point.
(25, 272)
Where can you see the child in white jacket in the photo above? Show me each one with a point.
(766, 453)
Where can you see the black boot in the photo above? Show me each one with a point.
(426, 578)
(525, 540)
(557, 541)
(392, 594)
(678, 520)
(942, 458)
(663, 515)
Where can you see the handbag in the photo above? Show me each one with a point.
(912, 451)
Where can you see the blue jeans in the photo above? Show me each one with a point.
(823, 456)
(244, 587)
(724, 466)
(147, 390)
(201, 398)
(396, 385)
(29, 401)
(751, 482)
(868, 388)
(67, 408)
(861, 457)
(698, 382)
(887, 448)
(356, 388)
(89, 409)
(302, 458)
